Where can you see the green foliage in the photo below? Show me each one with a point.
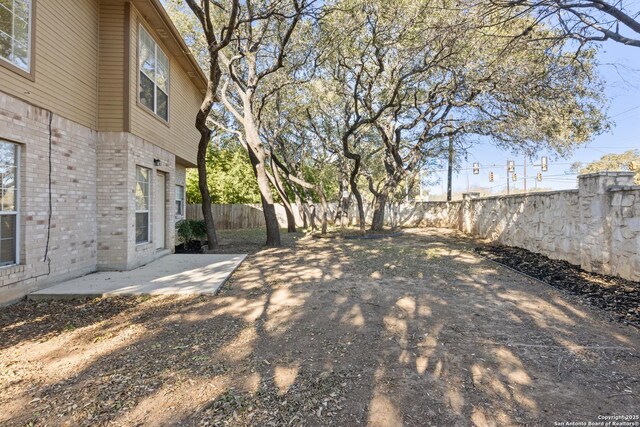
(230, 176)
(183, 230)
(191, 229)
(198, 228)
(627, 161)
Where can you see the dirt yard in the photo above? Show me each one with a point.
(414, 330)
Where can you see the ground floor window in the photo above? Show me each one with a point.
(9, 203)
(179, 200)
(142, 204)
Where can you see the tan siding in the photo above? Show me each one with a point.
(112, 56)
(66, 58)
(180, 135)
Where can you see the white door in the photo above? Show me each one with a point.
(160, 214)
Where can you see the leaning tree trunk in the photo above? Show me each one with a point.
(257, 156)
(286, 202)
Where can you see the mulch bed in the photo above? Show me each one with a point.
(192, 247)
(618, 296)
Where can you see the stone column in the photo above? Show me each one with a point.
(466, 215)
(595, 221)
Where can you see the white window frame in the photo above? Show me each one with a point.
(157, 49)
(182, 201)
(148, 210)
(29, 37)
(18, 155)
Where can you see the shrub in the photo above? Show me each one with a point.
(183, 230)
(191, 229)
(198, 229)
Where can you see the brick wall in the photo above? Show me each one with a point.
(72, 247)
(92, 198)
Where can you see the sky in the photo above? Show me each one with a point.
(620, 70)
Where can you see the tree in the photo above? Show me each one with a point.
(408, 76)
(583, 20)
(217, 37)
(627, 161)
(258, 51)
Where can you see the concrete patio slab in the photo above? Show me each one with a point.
(180, 274)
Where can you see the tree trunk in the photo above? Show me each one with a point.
(325, 209)
(286, 202)
(308, 210)
(353, 180)
(358, 196)
(203, 146)
(303, 214)
(210, 226)
(379, 204)
(257, 157)
(342, 212)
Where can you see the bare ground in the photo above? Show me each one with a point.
(413, 330)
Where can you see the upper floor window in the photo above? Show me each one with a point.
(154, 75)
(15, 32)
(9, 154)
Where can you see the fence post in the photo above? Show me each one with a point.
(595, 218)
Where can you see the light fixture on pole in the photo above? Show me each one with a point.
(544, 163)
(476, 168)
(511, 165)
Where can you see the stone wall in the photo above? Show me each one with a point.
(546, 223)
(596, 227)
(624, 217)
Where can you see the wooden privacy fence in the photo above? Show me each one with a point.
(231, 217)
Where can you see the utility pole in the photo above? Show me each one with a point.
(450, 171)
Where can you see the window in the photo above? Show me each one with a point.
(15, 32)
(142, 204)
(9, 203)
(179, 200)
(154, 75)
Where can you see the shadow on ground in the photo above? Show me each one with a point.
(413, 330)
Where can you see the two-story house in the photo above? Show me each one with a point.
(97, 110)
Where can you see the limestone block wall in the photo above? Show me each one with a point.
(624, 217)
(596, 227)
(425, 214)
(546, 223)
